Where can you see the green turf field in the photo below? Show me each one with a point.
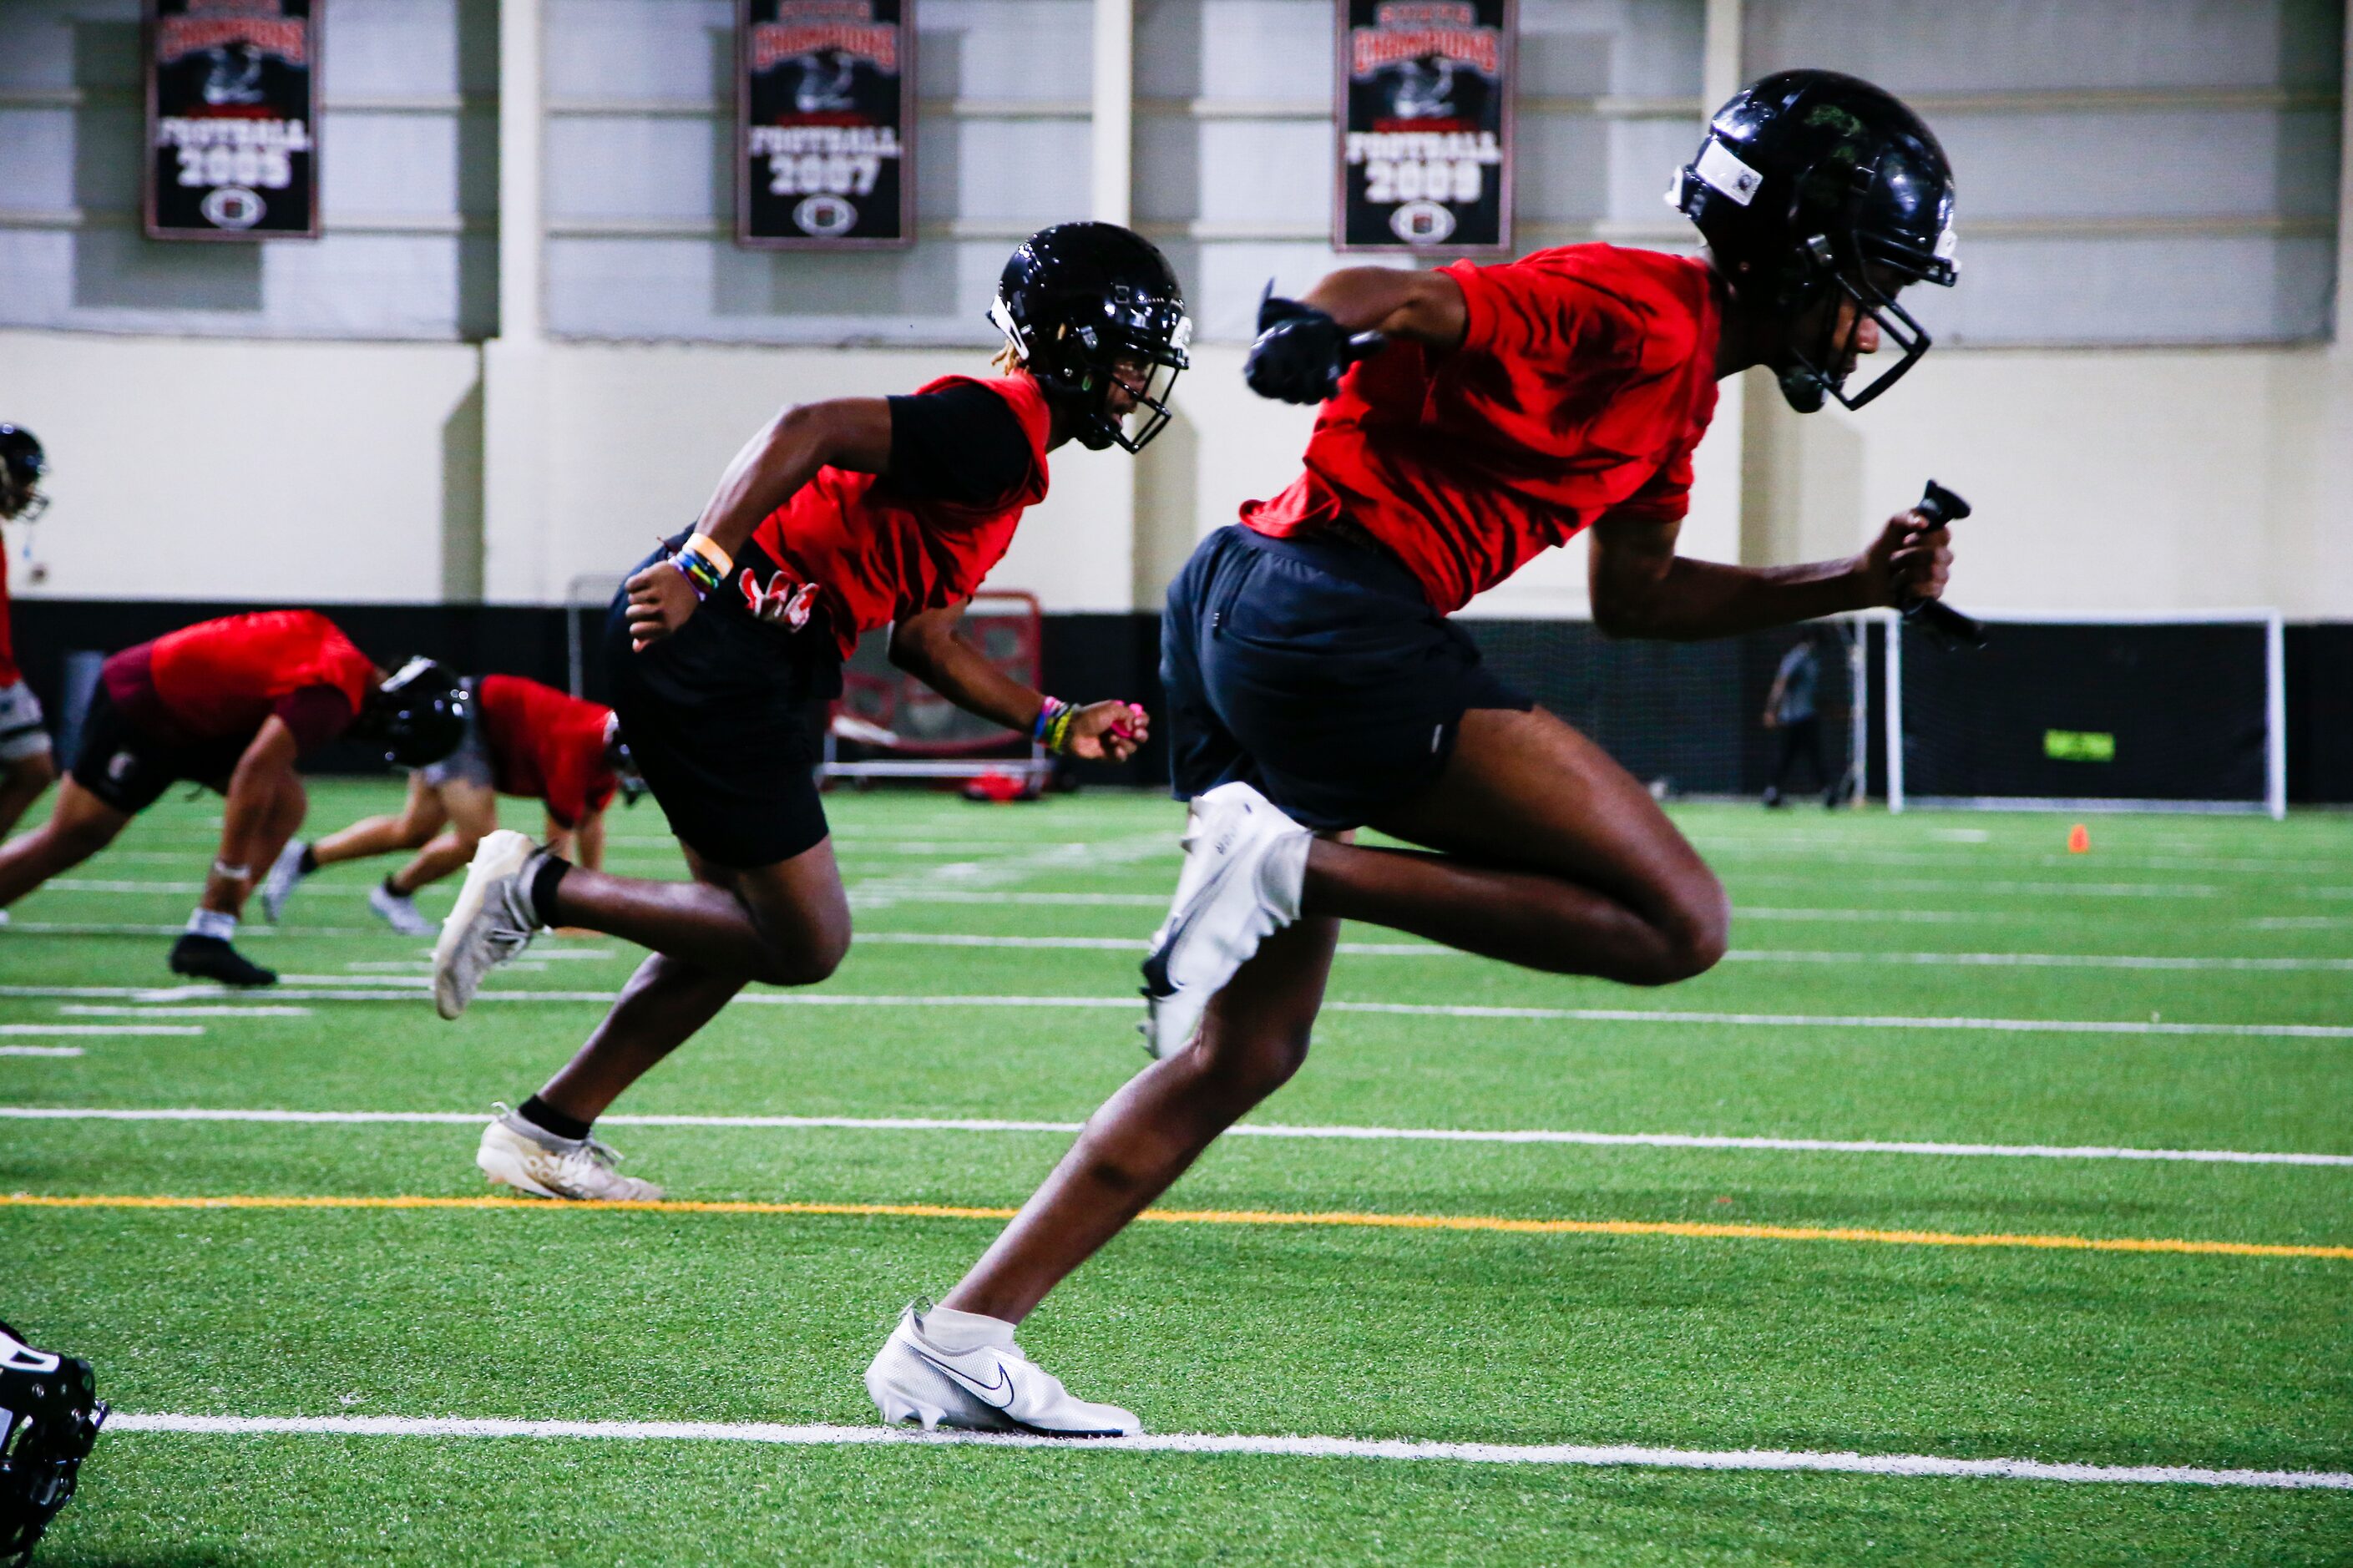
(1894, 981)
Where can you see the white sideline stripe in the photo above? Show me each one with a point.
(1737, 955)
(1240, 1130)
(40, 1050)
(110, 1010)
(101, 1028)
(816, 1435)
(1402, 1009)
(86, 885)
(104, 928)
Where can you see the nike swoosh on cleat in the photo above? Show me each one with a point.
(1156, 963)
(986, 1393)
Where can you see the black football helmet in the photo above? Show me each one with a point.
(418, 715)
(1810, 185)
(22, 463)
(50, 1418)
(1080, 300)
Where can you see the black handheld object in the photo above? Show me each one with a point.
(1301, 352)
(1941, 506)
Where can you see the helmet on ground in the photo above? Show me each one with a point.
(1087, 305)
(1811, 185)
(419, 714)
(623, 762)
(50, 1418)
(22, 463)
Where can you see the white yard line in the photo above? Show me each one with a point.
(101, 1028)
(110, 1010)
(40, 1050)
(1243, 1130)
(1614, 1455)
(1403, 1009)
(111, 927)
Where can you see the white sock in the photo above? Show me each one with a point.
(954, 1330)
(212, 923)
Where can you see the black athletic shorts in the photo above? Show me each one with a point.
(726, 719)
(129, 767)
(1314, 669)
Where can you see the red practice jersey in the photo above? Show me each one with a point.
(9, 673)
(221, 678)
(851, 546)
(1586, 377)
(546, 745)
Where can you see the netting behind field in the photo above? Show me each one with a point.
(1688, 718)
(891, 712)
(2080, 713)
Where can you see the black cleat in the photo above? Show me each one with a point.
(210, 958)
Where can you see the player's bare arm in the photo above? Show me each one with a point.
(926, 647)
(852, 433)
(1305, 346)
(1641, 588)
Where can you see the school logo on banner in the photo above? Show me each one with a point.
(825, 96)
(1425, 108)
(232, 120)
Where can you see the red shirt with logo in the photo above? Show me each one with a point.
(852, 549)
(1584, 378)
(547, 746)
(220, 680)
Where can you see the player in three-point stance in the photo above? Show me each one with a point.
(1316, 684)
(231, 704)
(522, 738)
(838, 518)
(26, 767)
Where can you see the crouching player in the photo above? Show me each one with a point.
(1316, 684)
(26, 768)
(229, 704)
(726, 644)
(522, 739)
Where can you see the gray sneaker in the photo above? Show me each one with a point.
(530, 1159)
(285, 875)
(493, 922)
(398, 910)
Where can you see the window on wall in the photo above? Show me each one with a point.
(641, 192)
(2130, 171)
(409, 190)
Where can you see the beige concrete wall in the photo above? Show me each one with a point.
(220, 468)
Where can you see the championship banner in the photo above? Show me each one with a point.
(232, 120)
(1424, 90)
(825, 105)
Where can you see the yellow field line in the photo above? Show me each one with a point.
(1717, 1230)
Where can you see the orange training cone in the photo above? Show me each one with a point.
(2079, 839)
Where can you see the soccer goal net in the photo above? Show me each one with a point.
(2085, 711)
(1786, 710)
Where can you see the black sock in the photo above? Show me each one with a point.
(394, 891)
(547, 1119)
(543, 886)
(309, 861)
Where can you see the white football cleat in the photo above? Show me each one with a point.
(993, 1388)
(285, 875)
(491, 923)
(399, 912)
(532, 1159)
(1245, 867)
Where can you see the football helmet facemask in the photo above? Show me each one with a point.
(1092, 308)
(1814, 188)
(22, 463)
(50, 1418)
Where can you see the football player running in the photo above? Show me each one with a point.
(26, 767)
(838, 518)
(1316, 684)
(522, 738)
(233, 705)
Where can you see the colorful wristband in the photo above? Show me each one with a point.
(1052, 729)
(698, 573)
(704, 546)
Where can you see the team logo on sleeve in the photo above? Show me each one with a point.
(782, 603)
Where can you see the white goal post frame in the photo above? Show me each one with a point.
(2275, 625)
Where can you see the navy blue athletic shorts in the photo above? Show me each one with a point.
(727, 720)
(1314, 669)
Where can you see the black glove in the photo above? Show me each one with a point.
(1301, 352)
